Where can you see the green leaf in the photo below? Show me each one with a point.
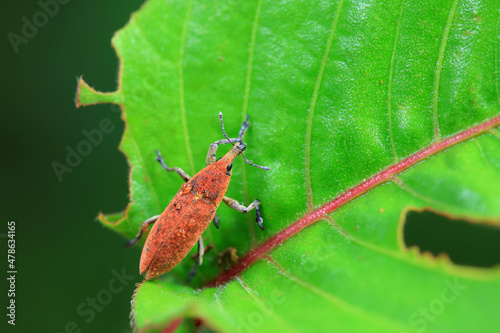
(363, 111)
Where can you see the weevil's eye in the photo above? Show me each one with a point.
(229, 167)
(218, 159)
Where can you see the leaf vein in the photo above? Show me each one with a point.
(378, 249)
(251, 50)
(495, 132)
(337, 302)
(485, 158)
(181, 86)
(439, 69)
(148, 177)
(312, 106)
(265, 308)
(389, 92)
(422, 197)
(497, 74)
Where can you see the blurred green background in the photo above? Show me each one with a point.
(64, 257)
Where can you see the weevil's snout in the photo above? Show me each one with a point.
(240, 146)
(237, 149)
(225, 163)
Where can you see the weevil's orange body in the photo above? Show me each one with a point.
(186, 217)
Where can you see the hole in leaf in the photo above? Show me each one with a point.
(465, 242)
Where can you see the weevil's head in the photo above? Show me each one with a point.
(225, 164)
(237, 149)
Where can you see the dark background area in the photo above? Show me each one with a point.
(468, 243)
(64, 257)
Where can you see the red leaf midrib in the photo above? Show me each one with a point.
(345, 197)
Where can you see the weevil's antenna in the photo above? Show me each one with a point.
(245, 125)
(255, 165)
(222, 125)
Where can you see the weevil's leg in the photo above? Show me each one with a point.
(144, 227)
(239, 207)
(192, 272)
(199, 259)
(201, 251)
(244, 126)
(258, 218)
(213, 149)
(216, 221)
(181, 172)
(208, 248)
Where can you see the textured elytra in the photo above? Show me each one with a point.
(186, 217)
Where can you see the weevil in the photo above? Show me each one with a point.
(181, 225)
